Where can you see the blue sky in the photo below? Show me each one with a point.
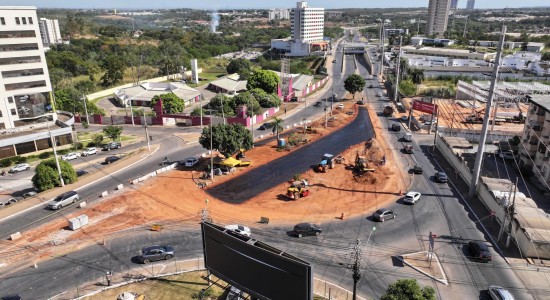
(223, 4)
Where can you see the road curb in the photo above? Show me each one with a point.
(78, 188)
(444, 280)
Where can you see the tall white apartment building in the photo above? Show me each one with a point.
(49, 31)
(279, 14)
(470, 4)
(438, 17)
(306, 29)
(25, 89)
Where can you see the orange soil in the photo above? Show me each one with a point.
(174, 197)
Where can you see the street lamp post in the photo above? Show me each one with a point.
(86, 109)
(55, 154)
(132, 112)
(211, 150)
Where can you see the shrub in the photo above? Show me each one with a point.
(6, 162)
(45, 155)
(20, 159)
(77, 146)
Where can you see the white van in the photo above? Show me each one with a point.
(408, 137)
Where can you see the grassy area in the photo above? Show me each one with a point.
(206, 78)
(183, 286)
(85, 137)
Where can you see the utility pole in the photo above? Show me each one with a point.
(252, 118)
(52, 140)
(396, 95)
(146, 131)
(132, 112)
(381, 47)
(211, 150)
(483, 139)
(356, 267)
(511, 212)
(464, 32)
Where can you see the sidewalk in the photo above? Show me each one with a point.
(132, 158)
(167, 268)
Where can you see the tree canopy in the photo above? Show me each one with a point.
(241, 66)
(354, 83)
(171, 103)
(263, 79)
(113, 132)
(408, 289)
(46, 176)
(228, 138)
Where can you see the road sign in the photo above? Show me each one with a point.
(424, 107)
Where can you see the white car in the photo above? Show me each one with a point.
(498, 293)
(411, 197)
(191, 161)
(20, 168)
(70, 156)
(240, 229)
(341, 106)
(89, 151)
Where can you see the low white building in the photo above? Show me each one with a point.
(422, 40)
(540, 68)
(535, 47)
(142, 94)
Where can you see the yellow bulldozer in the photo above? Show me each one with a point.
(362, 165)
(297, 190)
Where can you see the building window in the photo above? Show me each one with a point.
(0, 114)
(17, 21)
(13, 112)
(30, 20)
(24, 21)
(2, 21)
(10, 99)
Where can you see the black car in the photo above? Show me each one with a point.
(417, 170)
(112, 145)
(111, 159)
(395, 127)
(305, 229)
(266, 126)
(154, 253)
(440, 177)
(80, 173)
(479, 250)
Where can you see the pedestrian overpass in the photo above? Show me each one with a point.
(354, 48)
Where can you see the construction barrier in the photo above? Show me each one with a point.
(104, 194)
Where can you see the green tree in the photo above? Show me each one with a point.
(266, 100)
(408, 289)
(46, 176)
(228, 139)
(263, 79)
(249, 100)
(354, 83)
(113, 132)
(97, 139)
(277, 126)
(114, 70)
(546, 56)
(407, 88)
(417, 77)
(171, 104)
(221, 102)
(241, 66)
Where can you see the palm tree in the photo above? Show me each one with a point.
(417, 76)
(277, 127)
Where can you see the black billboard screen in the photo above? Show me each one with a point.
(254, 267)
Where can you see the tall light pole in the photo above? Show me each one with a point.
(132, 112)
(52, 140)
(211, 150)
(146, 131)
(85, 109)
(396, 95)
(484, 129)
(252, 118)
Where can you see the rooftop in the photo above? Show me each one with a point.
(541, 100)
(147, 90)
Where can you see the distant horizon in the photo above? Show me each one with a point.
(253, 4)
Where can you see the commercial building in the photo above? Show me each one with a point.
(49, 30)
(471, 4)
(279, 14)
(25, 89)
(438, 17)
(306, 31)
(141, 95)
(446, 52)
(454, 4)
(534, 151)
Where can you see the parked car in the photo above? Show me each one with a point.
(408, 137)
(417, 169)
(440, 177)
(20, 168)
(80, 173)
(408, 149)
(361, 102)
(383, 214)
(266, 126)
(411, 197)
(479, 250)
(240, 229)
(191, 161)
(154, 253)
(334, 61)
(305, 229)
(64, 200)
(395, 127)
(318, 103)
(508, 155)
(404, 118)
(341, 106)
(89, 151)
(111, 159)
(112, 145)
(30, 194)
(70, 156)
(14, 200)
(498, 293)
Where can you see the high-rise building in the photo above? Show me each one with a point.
(438, 16)
(279, 14)
(25, 89)
(471, 4)
(454, 4)
(49, 30)
(307, 23)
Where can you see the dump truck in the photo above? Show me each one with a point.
(326, 163)
(297, 189)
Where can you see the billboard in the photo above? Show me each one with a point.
(424, 107)
(256, 268)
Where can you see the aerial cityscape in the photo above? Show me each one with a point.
(289, 150)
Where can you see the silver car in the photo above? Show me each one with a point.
(498, 293)
(64, 200)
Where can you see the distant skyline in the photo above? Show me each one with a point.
(255, 4)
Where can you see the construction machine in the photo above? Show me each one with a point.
(362, 165)
(297, 189)
(326, 163)
(475, 118)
